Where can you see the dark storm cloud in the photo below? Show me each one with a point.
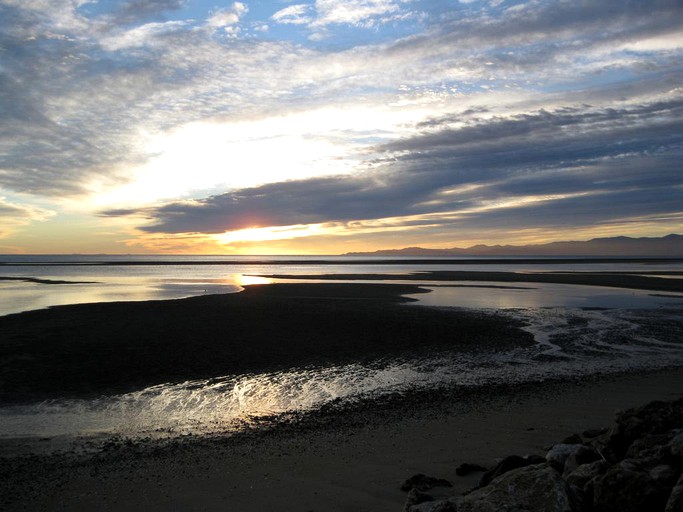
(572, 163)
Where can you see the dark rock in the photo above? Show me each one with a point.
(582, 455)
(629, 487)
(651, 445)
(534, 459)
(580, 482)
(536, 488)
(676, 444)
(675, 501)
(594, 432)
(664, 475)
(415, 497)
(467, 467)
(654, 418)
(434, 506)
(572, 439)
(507, 464)
(423, 482)
(602, 445)
(558, 455)
(585, 473)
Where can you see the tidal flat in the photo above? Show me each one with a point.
(365, 387)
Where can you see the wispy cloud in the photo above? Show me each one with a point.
(16, 215)
(298, 14)
(360, 13)
(228, 18)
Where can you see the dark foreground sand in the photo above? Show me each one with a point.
(353, 461)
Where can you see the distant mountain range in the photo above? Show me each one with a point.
(667, 246)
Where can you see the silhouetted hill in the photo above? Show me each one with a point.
(667, 246)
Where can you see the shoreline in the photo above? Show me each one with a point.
(334, 460)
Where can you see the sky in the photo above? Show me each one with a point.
(323, 127)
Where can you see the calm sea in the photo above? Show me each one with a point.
(107, 278)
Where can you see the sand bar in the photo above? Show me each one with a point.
(610, 279)
(89, 349)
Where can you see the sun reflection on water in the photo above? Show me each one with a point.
(246, 280)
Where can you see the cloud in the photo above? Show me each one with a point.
(82, 95)
(144, 35)
(131, 11)
(553, 168)
(357, 13)
(225, 18)
(298, 14)
(14, 216)
(19, 211)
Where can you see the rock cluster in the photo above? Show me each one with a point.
(637, 465)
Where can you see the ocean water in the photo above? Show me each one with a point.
(579, 330)
(105, 278)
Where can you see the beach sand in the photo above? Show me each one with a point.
(352, 461)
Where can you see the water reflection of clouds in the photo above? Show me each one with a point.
(541, 295)
(27, 296)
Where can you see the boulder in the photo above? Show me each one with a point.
(654, 418)
(466, 468)
(580, 482)
(676, 444)
(594, 432)
(423, 483)
(559, 454)
(537, 488)
(584, 473)
(434, 506)
(572, 439)
(651, 445)
(414, 498)
(603, 445)
(629, 486)
(508, 464)
(675, 501)
(664, 475)
(582, 455)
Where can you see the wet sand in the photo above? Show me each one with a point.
(336, 460)
(92, 349)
